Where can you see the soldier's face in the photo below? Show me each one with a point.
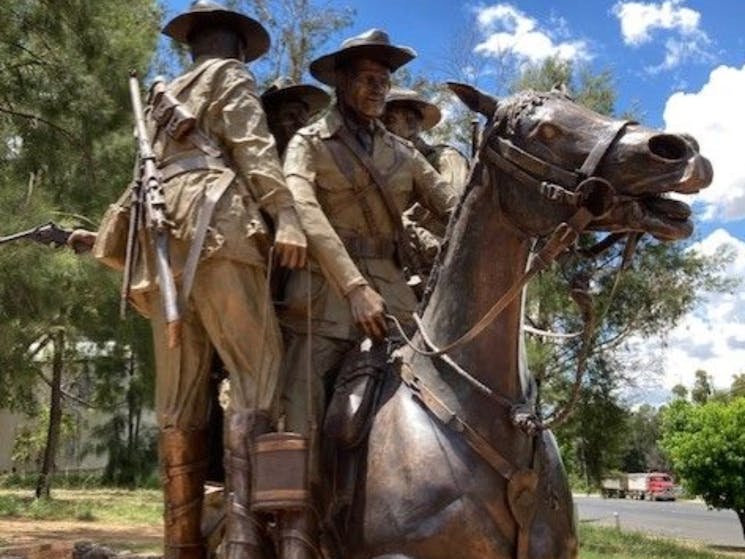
(403, 121)
(286, 119)
(366, 85)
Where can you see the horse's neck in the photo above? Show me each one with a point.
(486, 256)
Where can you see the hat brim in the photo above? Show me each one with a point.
(255, 36)
(324, 68)
(431, 114)
(315, 97)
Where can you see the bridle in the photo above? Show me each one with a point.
(592, 195)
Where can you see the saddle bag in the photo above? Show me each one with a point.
(355, 395)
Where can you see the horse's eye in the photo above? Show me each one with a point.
(548, 131)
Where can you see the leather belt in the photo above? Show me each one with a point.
(369, 247)
(177, 166)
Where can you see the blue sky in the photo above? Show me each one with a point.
(678, 63)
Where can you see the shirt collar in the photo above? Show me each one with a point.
(334, 120)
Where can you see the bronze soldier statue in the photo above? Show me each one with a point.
(335, 169)
(408, 114)
(217, 178)
(289, 107)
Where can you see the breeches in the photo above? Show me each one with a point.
(229, 312)
(298, 409)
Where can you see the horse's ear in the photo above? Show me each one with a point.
(475, 99)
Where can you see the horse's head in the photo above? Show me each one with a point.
(562, 155)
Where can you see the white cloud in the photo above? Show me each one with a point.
(507, 30)
(715, 116)
(639, 20)
(711, 337)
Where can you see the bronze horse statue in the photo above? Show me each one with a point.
(459, 468)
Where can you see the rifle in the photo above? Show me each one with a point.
(48, 234)
(149, 206)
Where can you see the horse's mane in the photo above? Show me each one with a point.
(504, 121)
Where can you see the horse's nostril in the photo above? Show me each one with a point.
(691, 142)
(669, 146)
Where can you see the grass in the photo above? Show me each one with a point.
(144, 506)
(598, 542)
(141, 506)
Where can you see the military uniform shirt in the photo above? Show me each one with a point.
(220, 94)
(336, 198)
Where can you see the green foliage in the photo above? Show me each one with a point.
(594, 441)
(66, 137)
(702, 388)
(642, 433)
(706, 444)
(593, 90)
(598, 542)
(299, 29)
(30, 441)
(679, 391)
(100, 505)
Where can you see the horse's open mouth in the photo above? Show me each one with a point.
(672, 217)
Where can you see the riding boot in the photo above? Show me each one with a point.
(298, 535)
(244, 537)
(183, 459)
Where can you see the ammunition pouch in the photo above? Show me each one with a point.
(171, 116)
(355, 396)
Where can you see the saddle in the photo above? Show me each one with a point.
(355, 395)
(355, 398)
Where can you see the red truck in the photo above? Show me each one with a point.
(653, 486)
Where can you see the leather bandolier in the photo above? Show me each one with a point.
(183, 459)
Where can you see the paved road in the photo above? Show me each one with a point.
(679, 519)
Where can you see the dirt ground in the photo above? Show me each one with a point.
(19, 534)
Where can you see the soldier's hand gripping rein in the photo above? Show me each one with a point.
(368, 311)
(290, 243)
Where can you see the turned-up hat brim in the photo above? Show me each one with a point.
(204, 14)
(315, 97)
(430, 112)
(373, 45)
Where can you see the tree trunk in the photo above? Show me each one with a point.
(55, 417)
(741, 516)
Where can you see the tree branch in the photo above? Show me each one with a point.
(30, 116)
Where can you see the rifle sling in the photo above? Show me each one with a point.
(385, 193)
(211, 160)
(211, 197)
